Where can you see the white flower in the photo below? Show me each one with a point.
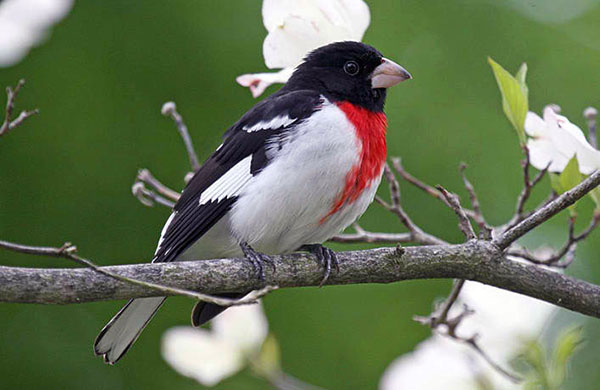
(211, 356)
(554, 140)
(24, 23)
(435, 364)
(504, 321)
(296, 27)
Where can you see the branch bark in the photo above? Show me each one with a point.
(475, 260)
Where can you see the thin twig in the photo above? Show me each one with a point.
(417, 234)
(463, 221)
(361, 235)
(560, 203)
(485, 231)
(440, 315)
(68, 251)
(148, 197)
(11, 96)
(472, 342)
(567, 251)
(145, 176)
(372, 237)
(430, 190)
(440, 322)
(170, 109)
(528, 186)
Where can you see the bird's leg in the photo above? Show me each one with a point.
(257, 259)
(327, 258)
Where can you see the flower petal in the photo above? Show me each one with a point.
(503, 319)
(198, 354)
(435, 364)
(534, 125)
(543, 153)
(353, 15)
(23, 23)
(258, 82)
(287, 45)
(297, 27)
(245, 327)
(587, 156)
(556, 140)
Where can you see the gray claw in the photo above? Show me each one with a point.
(257, 259)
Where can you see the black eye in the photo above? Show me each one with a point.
(351, 67)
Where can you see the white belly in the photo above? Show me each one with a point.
(282, 207)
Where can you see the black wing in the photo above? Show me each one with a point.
(213, 190)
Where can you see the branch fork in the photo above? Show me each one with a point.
(11, 96)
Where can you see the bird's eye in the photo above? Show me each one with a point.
(351, 67)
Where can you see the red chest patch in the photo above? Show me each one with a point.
(370, 130)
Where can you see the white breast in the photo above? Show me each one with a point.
(281, 208)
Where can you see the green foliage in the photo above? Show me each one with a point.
(549, 372)
(534, 356)
(521, 76)
(595, 195)
(567, 179)
(566, 345)
(515, 101)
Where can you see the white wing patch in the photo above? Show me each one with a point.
(275, 123)
(230, 184)
(163, 231)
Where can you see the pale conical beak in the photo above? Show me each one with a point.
(388, 74)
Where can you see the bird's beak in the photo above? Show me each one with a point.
(388, 74)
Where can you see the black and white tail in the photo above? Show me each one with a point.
(125, 327)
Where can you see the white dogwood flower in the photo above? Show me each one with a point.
(296, 27)
(209, 356)
(24, 23)
(505, 323)
(555, 140)
(435, 364)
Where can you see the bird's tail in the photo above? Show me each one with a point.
(125, 327)
(204, 312)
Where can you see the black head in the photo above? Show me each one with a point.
(348, 71)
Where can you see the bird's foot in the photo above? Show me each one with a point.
(257, 259)
(327, 258)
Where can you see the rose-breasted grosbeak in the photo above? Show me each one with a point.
(295, 170)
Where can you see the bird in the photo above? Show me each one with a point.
(295, 170)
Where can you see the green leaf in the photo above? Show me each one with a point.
(555, 182)
(569, 178)
(514, 96)
(534, 355)
(565, 347)
(595, 195)
(521, 76)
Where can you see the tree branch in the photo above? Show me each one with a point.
(546, 212)
(476, 260)
(69, 251)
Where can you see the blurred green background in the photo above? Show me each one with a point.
(100, 81)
